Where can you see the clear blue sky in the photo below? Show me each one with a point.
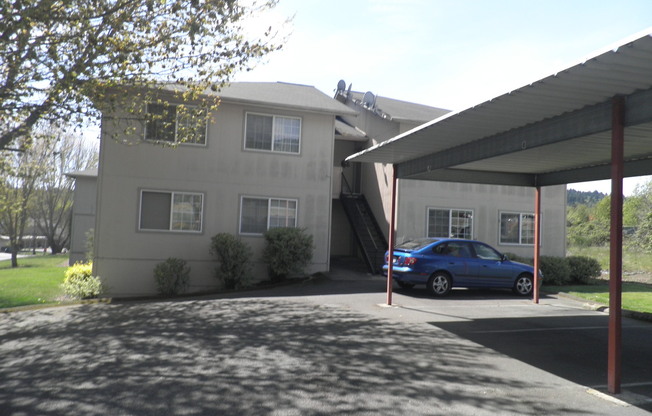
(449, 54)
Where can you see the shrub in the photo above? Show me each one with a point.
(583, 268)
(520, 259)
(234, 257)
(287, 252)
(556, 270)
(172, 276)
(79, 282)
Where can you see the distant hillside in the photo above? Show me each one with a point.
(587, 198)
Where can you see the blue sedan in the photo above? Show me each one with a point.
(443, 263)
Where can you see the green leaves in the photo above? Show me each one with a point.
(55, 55)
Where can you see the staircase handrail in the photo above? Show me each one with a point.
(346, 184)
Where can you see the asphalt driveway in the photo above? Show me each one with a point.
(320, 348)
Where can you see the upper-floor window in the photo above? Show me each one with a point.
(456, 223)
(516, 228)
(171, 123)
(272, 133)
(171, 211)
(258, 215)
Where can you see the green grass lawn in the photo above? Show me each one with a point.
(633, 260)
(636, 296)
(36, 280)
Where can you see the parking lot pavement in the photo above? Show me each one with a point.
(322, 347)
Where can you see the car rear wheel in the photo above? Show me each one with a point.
(440, 284)
(523, 285)
(405, 285)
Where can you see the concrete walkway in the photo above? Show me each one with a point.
(324, 347)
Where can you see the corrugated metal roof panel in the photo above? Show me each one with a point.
(622, 70)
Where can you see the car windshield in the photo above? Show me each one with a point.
(416, 244)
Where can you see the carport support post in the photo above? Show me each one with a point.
(392, 225)
(537, 242)
(616, 246)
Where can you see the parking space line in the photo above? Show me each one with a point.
(506, 331)
(573, 328)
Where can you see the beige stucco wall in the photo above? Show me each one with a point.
(224, 172)
(487, 202)
(83, 216)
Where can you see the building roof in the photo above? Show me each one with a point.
(345, 131)
(87, 173)
(555, 130)
(403, 111)
(281, 94)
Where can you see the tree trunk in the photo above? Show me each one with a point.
(14, 257)
(55, 247)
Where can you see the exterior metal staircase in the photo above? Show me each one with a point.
(370, 237)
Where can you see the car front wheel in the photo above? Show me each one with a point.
(440, 284)
(523, 285)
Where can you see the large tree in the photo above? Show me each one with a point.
(62, 153)
(54, 54)
(19, 174)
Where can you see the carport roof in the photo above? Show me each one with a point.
(553, 131)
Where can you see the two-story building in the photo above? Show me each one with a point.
(270, 155)
(264, 160)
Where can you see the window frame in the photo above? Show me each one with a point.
(521, 216)
(269, 206)
(273, 139)
(171, 211)
(450, 221)
(176, 140)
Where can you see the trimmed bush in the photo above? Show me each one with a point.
(556, 270)
(287, 252)
(235, 259)
(520, 259)
(79, 282)
(583, 268)
(172, 276)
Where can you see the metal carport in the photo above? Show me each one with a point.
(590, 121)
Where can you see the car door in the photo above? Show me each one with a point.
(489, 268)
(455, 256)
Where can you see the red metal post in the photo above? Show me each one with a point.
(616, 246)
(537, 242)
(392, 226)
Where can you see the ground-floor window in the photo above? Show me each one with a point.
(444, 222)
(516, 228)
(258, 214)
(171, 211)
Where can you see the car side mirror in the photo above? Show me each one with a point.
(504, 257)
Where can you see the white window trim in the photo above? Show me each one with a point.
(269, 202)
(176, 128)
(520, 224)
(274, 117)
(450, 218)
(170, 230)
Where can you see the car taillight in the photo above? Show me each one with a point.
(409, 261)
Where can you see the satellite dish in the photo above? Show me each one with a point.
(369, 99)
(341, 85)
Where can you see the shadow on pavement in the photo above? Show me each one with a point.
(571, 347)
(246, 357)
